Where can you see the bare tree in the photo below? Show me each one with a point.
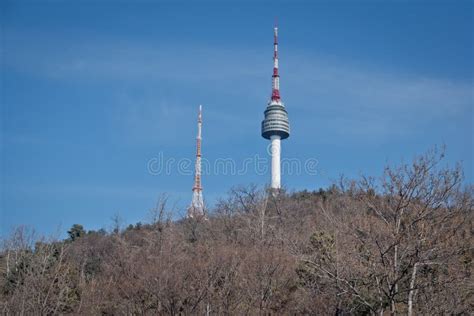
(391, 228)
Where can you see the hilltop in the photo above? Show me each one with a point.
(399, 243)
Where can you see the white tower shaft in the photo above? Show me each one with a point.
(276, 151)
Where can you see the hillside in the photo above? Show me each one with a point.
(399, 243)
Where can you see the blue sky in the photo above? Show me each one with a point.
(91, 92)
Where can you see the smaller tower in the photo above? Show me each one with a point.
(196, 209)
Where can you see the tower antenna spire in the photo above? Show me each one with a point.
(275, 76)
(197, 204)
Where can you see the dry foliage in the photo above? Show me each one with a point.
(400, 244)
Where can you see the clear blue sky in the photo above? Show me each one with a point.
(91, 91)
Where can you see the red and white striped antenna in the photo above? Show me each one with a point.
(197, 203)
(275, 76)
(197, 176)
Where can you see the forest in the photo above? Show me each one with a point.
(398, 243)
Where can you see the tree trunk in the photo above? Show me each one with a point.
(412, 290)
